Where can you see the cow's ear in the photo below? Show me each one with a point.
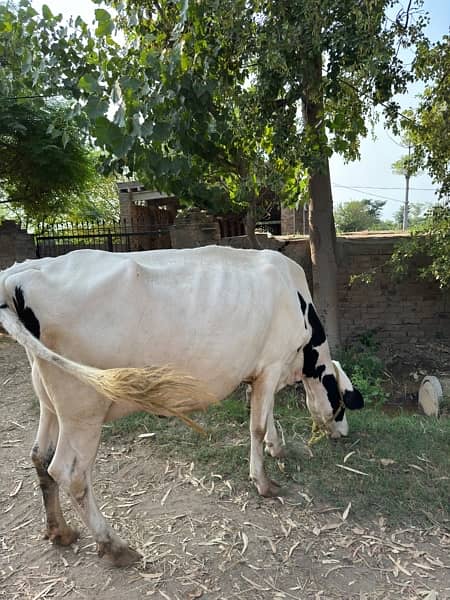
(353, 399)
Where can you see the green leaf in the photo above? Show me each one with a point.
(30, 12)
(147, 128)
(112, 137)
(46, 12)
(96, 107)
(79, 22)
(89, 83)
(161, 132)
(105, 23)
(130, 83)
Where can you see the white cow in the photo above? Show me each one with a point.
(165, 331)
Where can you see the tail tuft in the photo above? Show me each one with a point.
(157, 390)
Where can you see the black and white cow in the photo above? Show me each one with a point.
(168, 331)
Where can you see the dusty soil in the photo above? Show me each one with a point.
(200, 537)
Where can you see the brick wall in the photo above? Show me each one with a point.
(15, 244)
(402, 313)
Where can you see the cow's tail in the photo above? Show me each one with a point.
(157, 390)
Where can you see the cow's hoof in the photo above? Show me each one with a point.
(62, 537)
(120, 556)
(268, 489)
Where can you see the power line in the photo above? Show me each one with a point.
(395, 141)
(371, 187)
(347, 187)
(361, 192)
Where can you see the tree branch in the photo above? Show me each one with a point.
(355, 89)
(29, 97)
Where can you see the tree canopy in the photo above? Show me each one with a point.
(48, 167)
(41, 169)
(428, 127)
(428, 131)
(360, 215)
(215, 90)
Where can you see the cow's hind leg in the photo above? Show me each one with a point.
(262, 401)
(72, 468)
(42, 454)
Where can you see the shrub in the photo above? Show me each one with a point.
(365, 369)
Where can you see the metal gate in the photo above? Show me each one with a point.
(114, 237)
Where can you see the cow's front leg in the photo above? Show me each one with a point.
(72, 467)
(262, 400)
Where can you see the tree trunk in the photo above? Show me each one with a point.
(250, 225)
(322, 232)
(322, 239)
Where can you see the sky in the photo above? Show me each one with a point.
(371, 176)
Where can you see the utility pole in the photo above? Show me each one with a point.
(407, 178)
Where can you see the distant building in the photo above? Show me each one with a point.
(295, 221)
(142, 209)
(146, 213)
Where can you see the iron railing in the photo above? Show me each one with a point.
(54, 240)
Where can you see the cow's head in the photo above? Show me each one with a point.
(328, 396)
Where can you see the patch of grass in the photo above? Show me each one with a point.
(414, 484)
(406, 458)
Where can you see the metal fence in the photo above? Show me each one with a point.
(54, 240)
(273, 227)
(123, 236)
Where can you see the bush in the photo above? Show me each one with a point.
(365, 368)
(429, 241)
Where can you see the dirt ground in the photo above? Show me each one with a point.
(199, 537)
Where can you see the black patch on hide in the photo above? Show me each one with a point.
(330, 384)
(25, 314)
(302, 301)
(318, 334)
(310, 368)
